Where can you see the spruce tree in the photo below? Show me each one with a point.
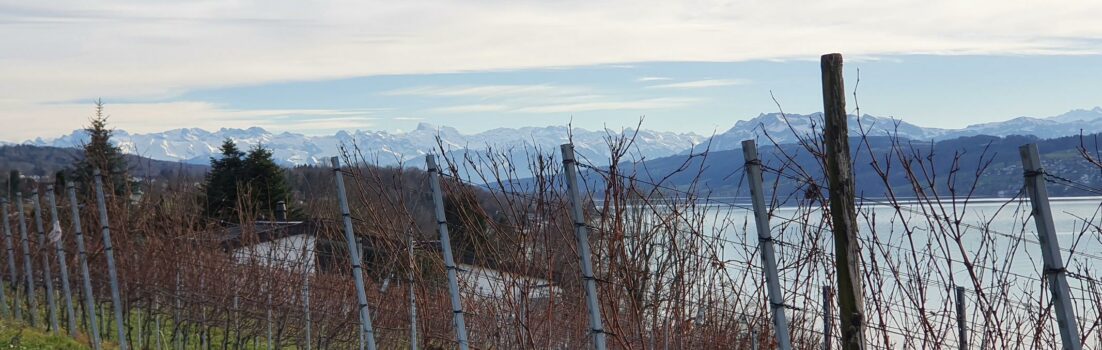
(222, 181)
(100, 153)
(236, 174)
(267, 182)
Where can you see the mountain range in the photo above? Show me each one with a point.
(196, 146)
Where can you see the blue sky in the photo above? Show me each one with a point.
(698, 66)
(941, 91)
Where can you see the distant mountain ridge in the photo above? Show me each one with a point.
(783, 128)
(194, 145)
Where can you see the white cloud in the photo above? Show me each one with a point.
(642, 104)
(469, 108)
(696, 84)
(76, 50)
(653, 78)
(486, 91)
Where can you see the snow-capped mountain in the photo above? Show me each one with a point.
(195, 145)
(1070, 123)
(783, 129)
(775, 127)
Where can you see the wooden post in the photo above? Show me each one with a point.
(843, 209)
(1054, 270)
(828, 318)
(765, 244)
(962, 321)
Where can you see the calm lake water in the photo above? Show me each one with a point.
(997, 235)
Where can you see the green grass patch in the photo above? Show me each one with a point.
(16, 335)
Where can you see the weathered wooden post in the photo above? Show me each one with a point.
(962, 320)
(89, 298)
(581, 233)
(1054, 270)
(446, 247)
(765, 244)
(843, 210)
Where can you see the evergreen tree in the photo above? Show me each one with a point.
(267, 182)
(100, 153)
(222, 181)
(236, 174)
(13, 184)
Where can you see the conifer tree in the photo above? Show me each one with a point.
(222, 181)
(267, 183)
(235, 174)
(100, 153)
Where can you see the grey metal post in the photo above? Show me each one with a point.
(306, 301)
(581, 233)
(268, 312)
(412, 296)
(11, 265)
(765, 244)
(354, 254)
(62, 264)
(47, 276)
(1050, 247)
(828, 317)
(962, 321)
(78, 234)
(116, 299)
(449, 258)
(177, 319)
(28, 265)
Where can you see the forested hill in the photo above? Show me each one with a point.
(719, 173)
(43, 161)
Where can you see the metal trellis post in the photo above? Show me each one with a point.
(108, 252)
(367, 333)
(47, 276)
(765, 244)
(446, 247)
(581, 233)
(62, 264)
(78, 236)
(11, 265)
(1054, 269)
(28, 267)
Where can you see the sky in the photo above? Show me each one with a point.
(686, 66)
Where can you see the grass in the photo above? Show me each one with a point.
(16, 335)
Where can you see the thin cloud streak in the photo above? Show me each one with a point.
(644, 104)
(698, 84)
